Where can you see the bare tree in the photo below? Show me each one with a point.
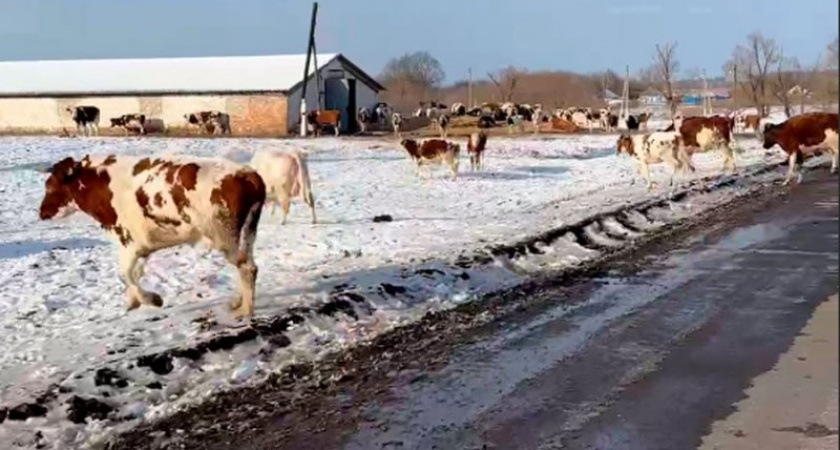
(663, 72)
(506, 81)
(786, 82)
(831, 56)
(412, 75)
(754, 61)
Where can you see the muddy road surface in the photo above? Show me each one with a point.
(646, 354)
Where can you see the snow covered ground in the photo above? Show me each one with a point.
(62, 314)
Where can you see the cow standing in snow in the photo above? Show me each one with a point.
(86, 119)
(286, 176)
(655, 148)
(433, 151)
(149, 204)
(363, 117)
(443, 125)
(475, 147)
(396, 121)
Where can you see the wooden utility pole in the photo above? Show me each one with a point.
(707, 100)
(310, 47)
(735, 86)
(469, 89)
(624, 109)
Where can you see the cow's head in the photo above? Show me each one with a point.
(191, 119)
(770, 134)
(625, 145)
(410, 145)
(117, 122)
(61, 185)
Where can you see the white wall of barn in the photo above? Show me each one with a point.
(365, 95)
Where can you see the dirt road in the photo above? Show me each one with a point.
(648, 356)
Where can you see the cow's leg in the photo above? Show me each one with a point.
(285, 204)
(310, 201)
(240, 253)
(645, 171)
(79, 130)
(131, 270)
(792, 159)
(833, 161)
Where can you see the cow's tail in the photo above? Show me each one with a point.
(248, 233)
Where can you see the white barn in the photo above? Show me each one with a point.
(261, 93)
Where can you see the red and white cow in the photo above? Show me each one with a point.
(702, 134)
(475, 147)
(320, 118)
(286, 176)
(655, 148)
(433, 151)
(804, 133)
(149, 204)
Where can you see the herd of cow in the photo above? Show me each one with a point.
(148, 204)
(86, 119)
(490, 115)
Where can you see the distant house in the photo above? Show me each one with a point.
(695, 97)
(611, 98)
(651, 96)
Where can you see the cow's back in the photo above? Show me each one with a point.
(809, 129)
(178, 198)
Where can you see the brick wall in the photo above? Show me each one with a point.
(251, 115)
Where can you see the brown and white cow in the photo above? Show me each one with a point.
(475, 147)
(286, 176)
(433, 151)
(804, 133)
(148, 204)
(702, 134)
(654, 148)
(318, 119)
(214, 122)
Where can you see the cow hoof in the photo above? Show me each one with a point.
(132, 304)
(153, 299)
(243, 312)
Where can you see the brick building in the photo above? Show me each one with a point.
(260, 93)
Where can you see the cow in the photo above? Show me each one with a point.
(486, 121)
(86, 119)
(396, 121)
(433, 151)
(655, 148)
(382, 113)
(749, 122)
(643, 120)
(363, 117)
(608, 120)
(214, 122)
(149, 204)
(475, 148)
(319, 118)
(286, 176)
(443, 124)
(458, 109)
(707, 133)
(130, 122)
(804, 133)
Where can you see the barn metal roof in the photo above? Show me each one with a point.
(200, 75)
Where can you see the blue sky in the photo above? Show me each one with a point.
(579, 35)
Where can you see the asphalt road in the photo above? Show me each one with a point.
(650, 356)
(645, 362)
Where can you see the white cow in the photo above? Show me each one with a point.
(286, 176)
(655, 148)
